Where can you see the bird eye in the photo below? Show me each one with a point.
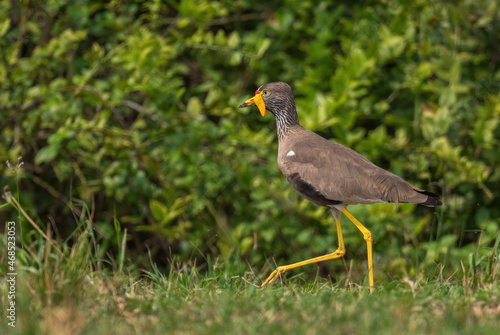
(266, 92)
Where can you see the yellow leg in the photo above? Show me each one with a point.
(369, 241)
(334, 255)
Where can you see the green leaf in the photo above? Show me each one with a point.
(264, 45)
(233, 40)
(47, 154)
(448, 97)
(4, 26)
(236, 58)
(158, 210)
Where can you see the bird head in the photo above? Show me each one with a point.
(271, 98)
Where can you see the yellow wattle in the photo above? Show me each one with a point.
(259, 102)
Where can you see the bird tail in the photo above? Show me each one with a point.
(432, 199)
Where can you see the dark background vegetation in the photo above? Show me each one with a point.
(124, 114)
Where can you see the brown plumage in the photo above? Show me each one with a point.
(327, 173)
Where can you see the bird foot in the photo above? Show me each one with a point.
(274, 275)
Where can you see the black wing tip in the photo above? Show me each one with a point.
(432, 200)
(308, 191)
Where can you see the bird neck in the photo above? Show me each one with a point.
(286, 120)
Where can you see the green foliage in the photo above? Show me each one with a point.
(130, 109)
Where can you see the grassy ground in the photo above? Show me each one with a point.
(76, 287)
(71, 290)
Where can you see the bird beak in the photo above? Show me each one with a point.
(258, 101)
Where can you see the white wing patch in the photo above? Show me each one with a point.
(290, 153)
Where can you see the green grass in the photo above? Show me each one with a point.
(76, 286)
(72, 290)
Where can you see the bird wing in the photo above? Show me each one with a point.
(329, 173)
